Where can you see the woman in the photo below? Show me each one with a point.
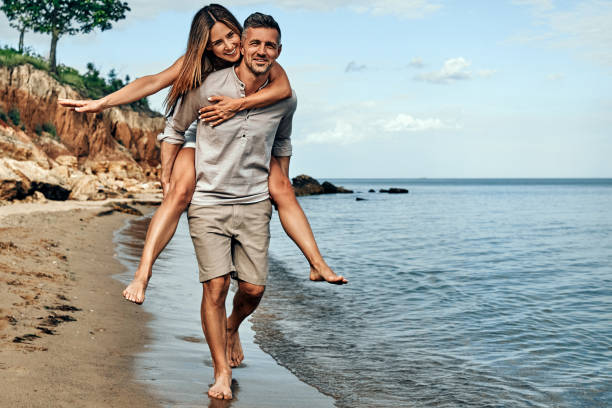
(214, 43)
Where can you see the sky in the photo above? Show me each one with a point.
(409, 88)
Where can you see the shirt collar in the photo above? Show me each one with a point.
(242, 85)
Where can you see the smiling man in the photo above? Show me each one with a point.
(229, 215)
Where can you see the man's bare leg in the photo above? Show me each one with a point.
(214, 325)
(245, 302)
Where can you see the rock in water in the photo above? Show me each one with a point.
(304, 185)
(329, 188)
(394, 190)
(371, 190)
(359, 199)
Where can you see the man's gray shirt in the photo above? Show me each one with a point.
(233, 158)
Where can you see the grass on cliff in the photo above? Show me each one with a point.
(90, 85)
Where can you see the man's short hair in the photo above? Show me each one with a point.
(260, 20)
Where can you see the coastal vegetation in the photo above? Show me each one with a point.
(61, 17)
(90, 85)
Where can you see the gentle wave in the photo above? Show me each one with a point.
(464, 294)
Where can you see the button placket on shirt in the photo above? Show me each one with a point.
(243, 131)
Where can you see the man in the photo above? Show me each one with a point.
(230, 210)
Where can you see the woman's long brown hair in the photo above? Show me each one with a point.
(198, 62)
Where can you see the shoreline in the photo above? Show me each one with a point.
(176, 362)
(80, 343)
(66, 337)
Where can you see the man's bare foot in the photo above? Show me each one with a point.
(135, 291)
(221, 389)
(234, 349)
(325, 273)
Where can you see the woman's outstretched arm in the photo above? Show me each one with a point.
(135, 90)
(224, 107)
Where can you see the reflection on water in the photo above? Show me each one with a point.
(177, 366)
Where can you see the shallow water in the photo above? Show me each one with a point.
(176, 365)
(462, 293)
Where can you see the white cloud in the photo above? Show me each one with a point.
(454, 69)
(343, 133)
(354, 67)
(586, 28)
(416, 62)
(406, 123)
(353, 129)
(410, 9)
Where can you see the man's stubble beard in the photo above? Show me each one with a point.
(257, 73)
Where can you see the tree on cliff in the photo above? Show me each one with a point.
(59, 17)
(17, 12)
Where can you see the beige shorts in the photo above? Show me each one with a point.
(231, 238)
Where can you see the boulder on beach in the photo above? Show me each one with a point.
(20, 179)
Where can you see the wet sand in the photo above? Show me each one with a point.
(176, 364)
(66, 335)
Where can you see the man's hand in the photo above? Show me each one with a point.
(85, 106)
(223, 108)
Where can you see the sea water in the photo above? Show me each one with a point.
(461, 293)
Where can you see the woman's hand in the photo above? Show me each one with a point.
(86, 106)
(223, 108)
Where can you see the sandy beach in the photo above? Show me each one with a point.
(66, 335)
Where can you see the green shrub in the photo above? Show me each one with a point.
(38, 129)
(23, 127)
(14, 116)
(3, 116)
(50, 128)
(10, 57)
(90, 85)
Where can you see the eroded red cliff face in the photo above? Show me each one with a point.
(118, 146)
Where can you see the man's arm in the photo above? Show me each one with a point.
(283, 161)
(282, 139)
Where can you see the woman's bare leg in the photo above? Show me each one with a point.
(296, 224)
(164, 222)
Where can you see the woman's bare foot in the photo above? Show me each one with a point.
(135, 291)
(323, 272)
(221, 389)
(234, 349)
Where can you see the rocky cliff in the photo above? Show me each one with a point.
(89, 156)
